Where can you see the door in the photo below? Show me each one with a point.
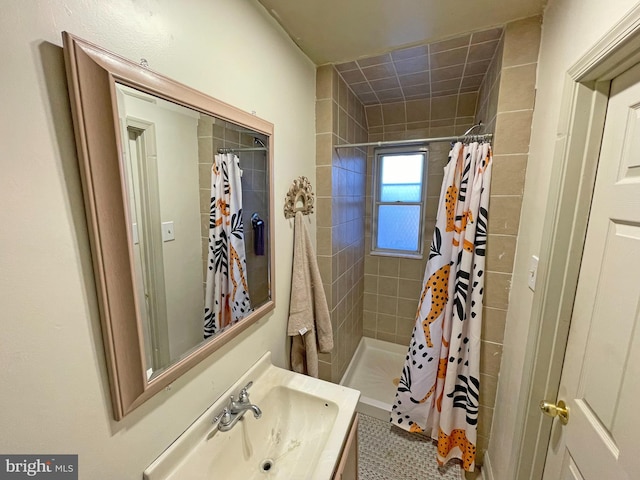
(601, 373)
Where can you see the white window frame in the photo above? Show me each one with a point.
(376, 202)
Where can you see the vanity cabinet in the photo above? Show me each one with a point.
(348, 464)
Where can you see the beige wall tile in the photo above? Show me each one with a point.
(441, 131)
(371, 265)
(508, 174)
(370, 320)
(418, 110)
(371, 284)
(500, 253)
(324, 148)
(407, 308)
(323, 181)
(324, 265)
(482, 51)
(323, 240)
(324, 371)
(521, 42)
(377, 60)
(388, 285)
(387, 304)
(323, 218)
(485, 417)
(486, 35)
(490, 356)
(449, 44)
(446, 58)
(467, 104)
(404, 328)
(386, 323)
(324, 81)
(411, 269)
(409, 288)
(496, 291)
(374, 115)
(488, 389)
(343, 127)
(394, 113)
(387, 337)
(517, 88)
(493, 324)
(388, 266)
(369, 333)
(504, 214)
(343, 95)
(513, 130)
(443, 107)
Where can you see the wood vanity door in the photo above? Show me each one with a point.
(348, 465)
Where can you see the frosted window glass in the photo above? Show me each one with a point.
(398, 227)
(401, 178)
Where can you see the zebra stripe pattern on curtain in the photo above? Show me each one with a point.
(438, 391)
(226, 292)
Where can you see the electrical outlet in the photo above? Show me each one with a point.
(533, 272)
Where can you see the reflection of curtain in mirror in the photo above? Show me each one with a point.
(227, 295)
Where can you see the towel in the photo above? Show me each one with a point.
(309, 319)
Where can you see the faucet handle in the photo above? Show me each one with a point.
(223, 416)
(244, 395)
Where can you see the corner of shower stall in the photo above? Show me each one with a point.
(375, 370)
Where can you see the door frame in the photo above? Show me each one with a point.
(576, 153)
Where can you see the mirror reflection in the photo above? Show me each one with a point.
(198, 198)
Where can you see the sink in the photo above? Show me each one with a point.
(299, 435)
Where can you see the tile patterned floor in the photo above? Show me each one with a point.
(387, 452)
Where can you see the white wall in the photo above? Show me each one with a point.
(55, 396)
(569, 29)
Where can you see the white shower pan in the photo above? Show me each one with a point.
(375, 370)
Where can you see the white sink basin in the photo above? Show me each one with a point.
(299, 435)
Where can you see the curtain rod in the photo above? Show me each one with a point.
(247, 149)
(486, 136)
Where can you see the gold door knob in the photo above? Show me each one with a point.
(560, 410)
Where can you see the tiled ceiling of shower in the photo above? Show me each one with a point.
(449, 67)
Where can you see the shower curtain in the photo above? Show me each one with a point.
(439, 387)
(226, 293)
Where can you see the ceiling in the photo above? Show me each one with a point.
(335, 31)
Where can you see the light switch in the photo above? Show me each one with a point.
(533, 272)
(167, 232)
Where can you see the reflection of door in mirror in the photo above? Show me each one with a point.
(162, 169)
(142, 177)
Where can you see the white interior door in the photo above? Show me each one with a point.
(601, 373)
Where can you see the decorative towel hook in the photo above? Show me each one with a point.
(299, 191)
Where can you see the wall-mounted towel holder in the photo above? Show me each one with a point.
(300, 191)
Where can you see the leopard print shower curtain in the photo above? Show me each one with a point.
(439, 387)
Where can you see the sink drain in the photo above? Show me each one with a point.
(266, 465)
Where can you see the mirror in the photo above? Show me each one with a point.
(179, 201)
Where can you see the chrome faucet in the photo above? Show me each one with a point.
(236, 409)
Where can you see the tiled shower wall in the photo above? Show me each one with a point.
(506, 104)
(392, 284)
(340, 189)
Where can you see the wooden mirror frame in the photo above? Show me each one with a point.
(92, 73)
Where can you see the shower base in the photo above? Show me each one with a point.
(375, 370)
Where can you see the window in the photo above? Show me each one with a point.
(399, 197)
